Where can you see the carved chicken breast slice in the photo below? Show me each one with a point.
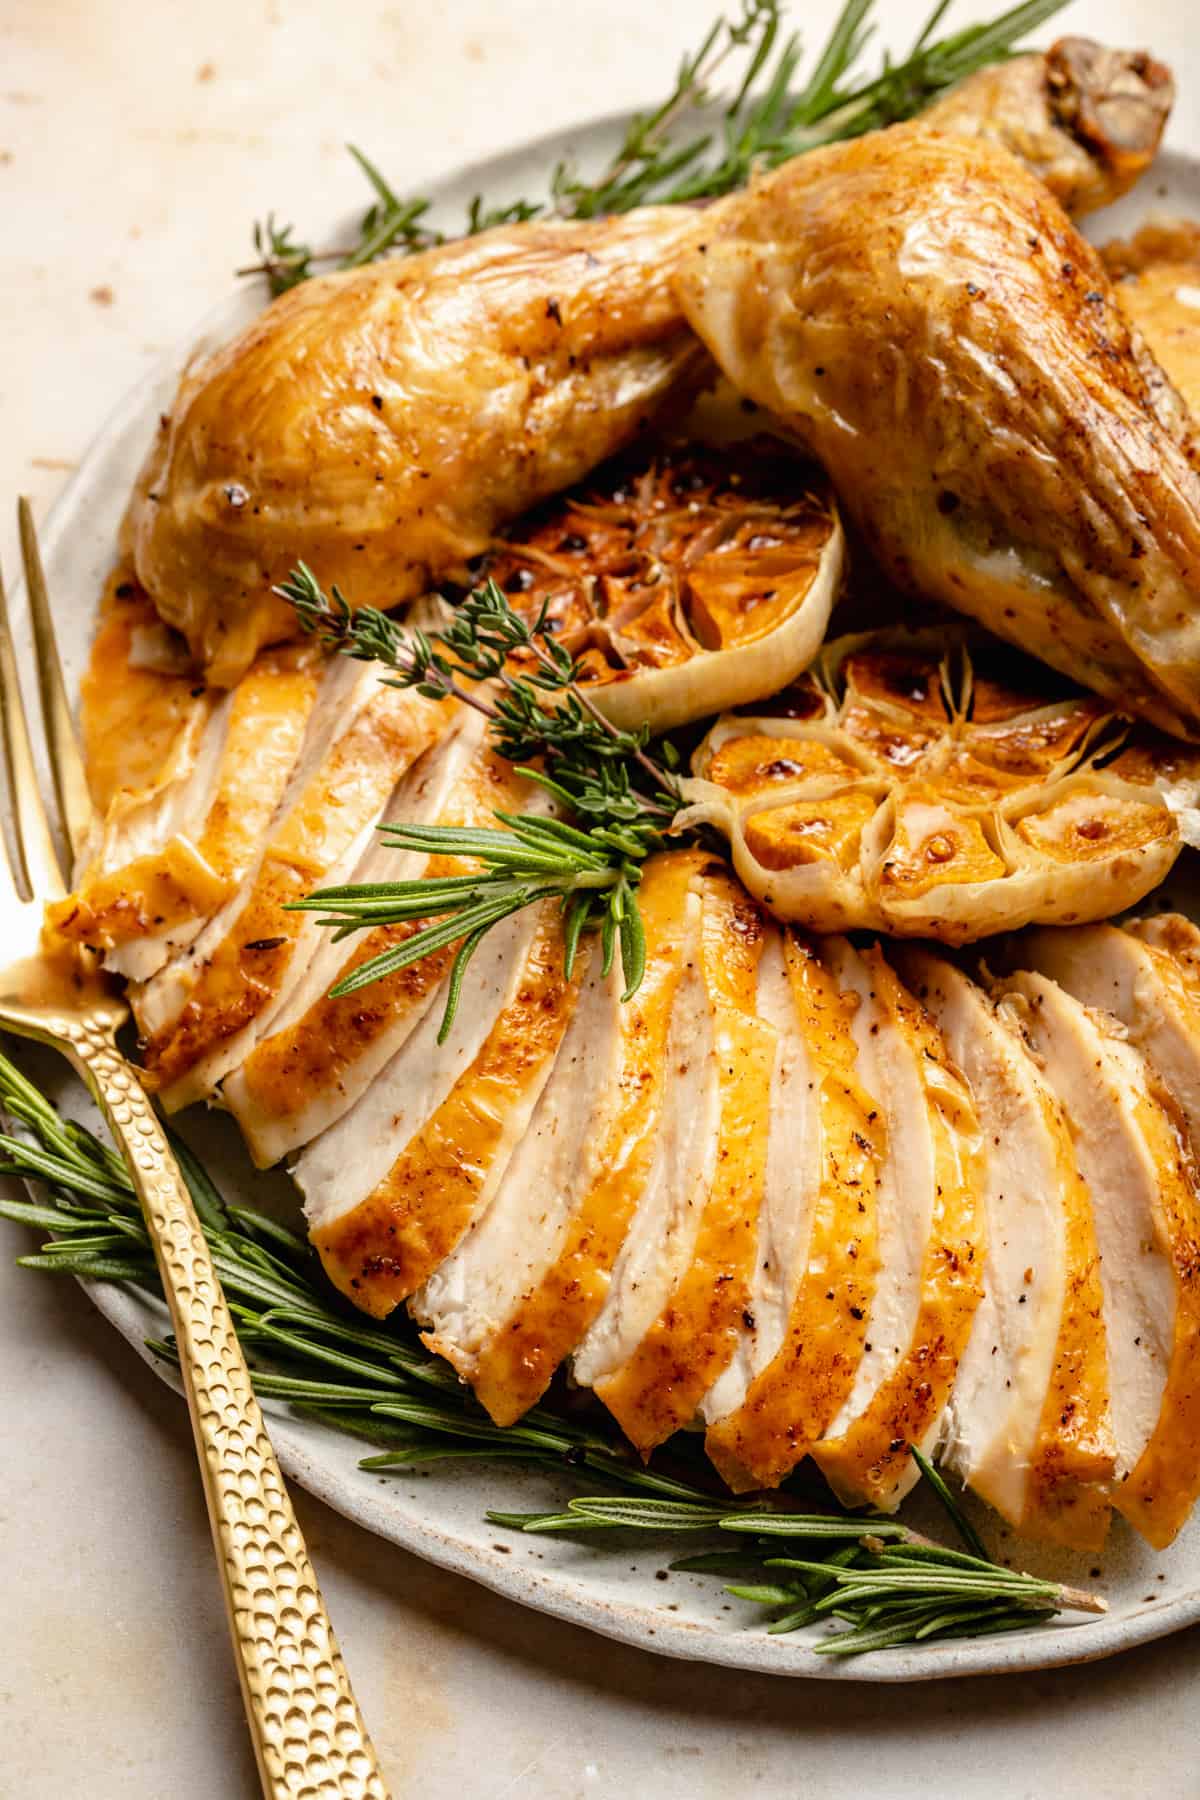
(791, 1181)
(527, 1280)
(666, 1326)
(203, 1013)
(1142, 1179)
(140, 719)
(143, 729)
(804, 1331)
(1029, 1426)
(986, 417)
(168, 857)
(930, 1236)
(669, 1324)
(1179, 938)
(393, 1186)
(323, 1051)
(1143, 982)
(381, 423)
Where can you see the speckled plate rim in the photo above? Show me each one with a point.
(78, 541)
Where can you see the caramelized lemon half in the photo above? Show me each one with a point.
(685, 580)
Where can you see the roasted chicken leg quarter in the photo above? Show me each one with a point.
(917, 308)
(380, 424)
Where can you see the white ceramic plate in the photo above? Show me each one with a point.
(438, 1514)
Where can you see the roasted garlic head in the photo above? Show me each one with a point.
(944, 792)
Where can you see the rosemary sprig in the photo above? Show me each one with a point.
(891, 1585)
(888, 1583)
(621, 798)
(389, 224)
(673, 153)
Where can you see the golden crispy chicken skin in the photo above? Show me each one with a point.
(381, 423)
(1157, 273)
(1085, 119)
(921, 312)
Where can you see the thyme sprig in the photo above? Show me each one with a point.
(622, 799)
(673, 153)
(886, 1582)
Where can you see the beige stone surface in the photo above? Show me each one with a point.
(136, 144)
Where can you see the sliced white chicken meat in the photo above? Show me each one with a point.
(1143, 978)
(682, 1280)
(392, 1187)
(803, 1334)
(791, 1183)
(1178, 936)
(1029, 1426)
(930, 1237)
(1139, 1171)
(517, 1295)
(203, 1013)
(141, 713)
(185, 783)
(209, 833)
(323, 1051)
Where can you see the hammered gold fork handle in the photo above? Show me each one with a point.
(308, 1734)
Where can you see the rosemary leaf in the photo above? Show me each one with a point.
(766, 1594)
(649, 1515)
(950, 1506)
(816, 1525)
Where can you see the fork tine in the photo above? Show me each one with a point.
(66, 761)
(34, 844)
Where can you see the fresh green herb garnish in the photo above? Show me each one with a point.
(674, 154)
(621, 798)
(888, 1583)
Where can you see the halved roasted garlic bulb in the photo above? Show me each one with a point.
(942, 787)
(684, 579)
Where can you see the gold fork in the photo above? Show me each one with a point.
(309, 1737)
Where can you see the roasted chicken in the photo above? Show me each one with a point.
(186, 780)
(1142, 1177)
(817, 1196)
(821, 1199)
(1029, 1426)
(380, 424)
(917, 309)
(1157, 274)
(202, 1013)
(901, 1205)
